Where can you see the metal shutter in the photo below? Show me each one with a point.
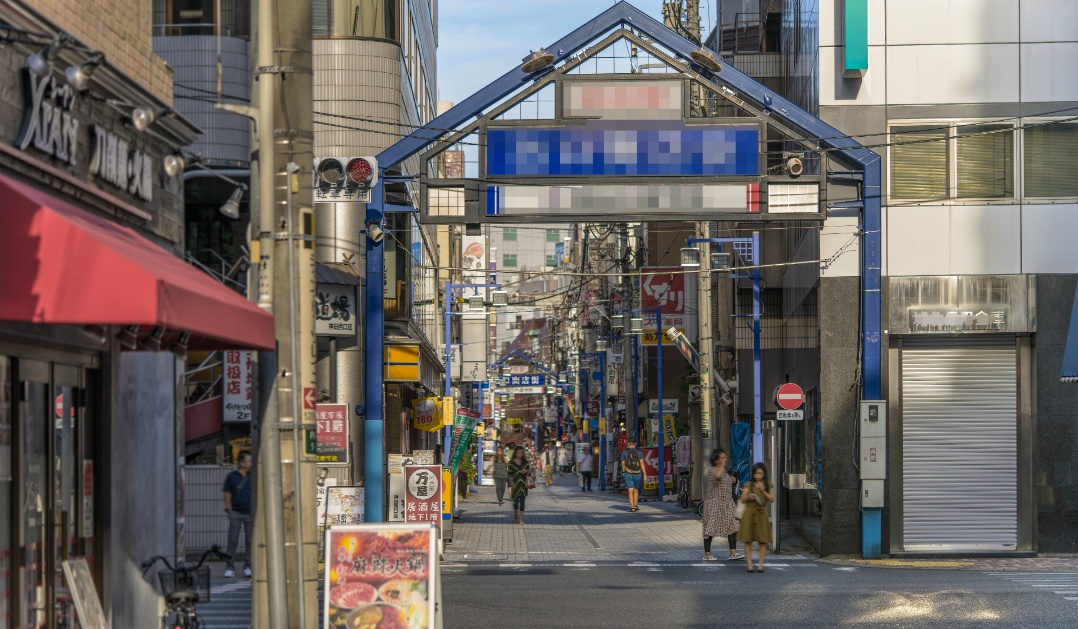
(960, 446)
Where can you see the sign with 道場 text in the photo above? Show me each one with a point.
(236, 400)
(331, 440)
(335, 310)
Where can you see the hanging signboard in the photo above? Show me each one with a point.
(381, 576)
(335, 310)
(331, 440)
(463, 426)
(237, 404)
(427, 414)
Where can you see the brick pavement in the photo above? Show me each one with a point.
(563, 523)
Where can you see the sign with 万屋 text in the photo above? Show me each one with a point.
(331, 441)
(238, 406)
(423, 493)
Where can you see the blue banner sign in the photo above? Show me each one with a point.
(620, 148)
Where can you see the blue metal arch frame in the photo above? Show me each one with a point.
(842, 148)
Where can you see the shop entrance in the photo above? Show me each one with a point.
(46, 486)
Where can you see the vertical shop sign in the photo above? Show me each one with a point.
(463, 426)
(423, 500)
(331, 441)
(238, 406)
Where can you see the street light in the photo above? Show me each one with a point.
(617, 321)
(690, 257)
(636, 325)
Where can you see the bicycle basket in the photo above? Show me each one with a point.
(186, 580)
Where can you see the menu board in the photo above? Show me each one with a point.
(381, 576)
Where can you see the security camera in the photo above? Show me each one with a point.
(794, 166)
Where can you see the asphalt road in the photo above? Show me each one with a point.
(801, 594)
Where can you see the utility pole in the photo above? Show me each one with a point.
(287, 580)
(703, 432)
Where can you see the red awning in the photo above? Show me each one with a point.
(61, 264)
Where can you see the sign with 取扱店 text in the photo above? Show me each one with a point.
(332, 437)
(238, 406)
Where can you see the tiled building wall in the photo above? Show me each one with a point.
(119, 28)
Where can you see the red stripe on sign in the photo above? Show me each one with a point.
(752, 197)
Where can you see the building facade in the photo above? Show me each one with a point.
(97, 311)
(970, 107)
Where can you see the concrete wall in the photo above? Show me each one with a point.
(142, 517)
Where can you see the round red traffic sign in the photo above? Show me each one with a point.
(789, 396)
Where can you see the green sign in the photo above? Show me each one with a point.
(310, 437)
(463, 426)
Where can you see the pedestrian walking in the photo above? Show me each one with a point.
(549, 461)
(584, 466)
(519, 470)
(719, 506)
(755, 525)
(563, 460)
(500, 473)
(237, 493)
(633, 471)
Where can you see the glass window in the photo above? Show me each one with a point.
(354, 18)
(33, 472)
(985, 156)
(551, 260)
(919, 162)
(509, 260)
(509, 234)
(553, 235)
(1048, 157)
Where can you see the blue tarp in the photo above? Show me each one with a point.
(741, 450)
(1070, 354)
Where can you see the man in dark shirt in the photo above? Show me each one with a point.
(237, 489)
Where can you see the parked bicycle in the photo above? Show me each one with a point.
(183, 587)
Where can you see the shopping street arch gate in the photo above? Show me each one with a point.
(582, 132)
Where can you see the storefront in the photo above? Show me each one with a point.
(96, 315)
(961, 408)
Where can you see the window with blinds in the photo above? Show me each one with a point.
(985, 161)
(919, 157)
(1048, 158)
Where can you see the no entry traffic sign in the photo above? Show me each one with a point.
(789, 396)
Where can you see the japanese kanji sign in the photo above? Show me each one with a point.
(332, 439)
(525, 380)
(423, 500)
(238, 406)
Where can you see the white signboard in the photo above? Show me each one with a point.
(784, 415)
(335, 310)
(238, 406)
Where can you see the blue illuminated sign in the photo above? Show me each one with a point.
(613, 148)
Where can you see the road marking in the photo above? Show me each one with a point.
(1047, 580)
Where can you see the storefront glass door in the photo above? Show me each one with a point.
(33, 592)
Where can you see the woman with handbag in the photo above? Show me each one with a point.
(755, 525)
(520, 472)
(719, 507)
(500, 473)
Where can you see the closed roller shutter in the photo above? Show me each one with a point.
(960, 446)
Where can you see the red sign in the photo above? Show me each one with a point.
(789, 396)
(331, 438)
(650, 465)
(661, 286)
(308, 399)
(423, 498)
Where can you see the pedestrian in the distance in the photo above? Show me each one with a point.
(237, 491)
(719, 506)
(563, 460)
(519, 469)
(500, 473)
(549, 461)
(584, 466)
(633, 471)
(755, 525)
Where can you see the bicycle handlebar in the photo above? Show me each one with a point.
(215, 549)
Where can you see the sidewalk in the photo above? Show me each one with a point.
(563, 523)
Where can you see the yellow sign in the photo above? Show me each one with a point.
(447, 493)
(448, 408)
(401, 363)
(427, 414)
(652, 339)
(513, 421)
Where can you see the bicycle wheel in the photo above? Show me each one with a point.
(684, 494)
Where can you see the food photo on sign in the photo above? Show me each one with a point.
(381, 576)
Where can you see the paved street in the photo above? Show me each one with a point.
(583, 560)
